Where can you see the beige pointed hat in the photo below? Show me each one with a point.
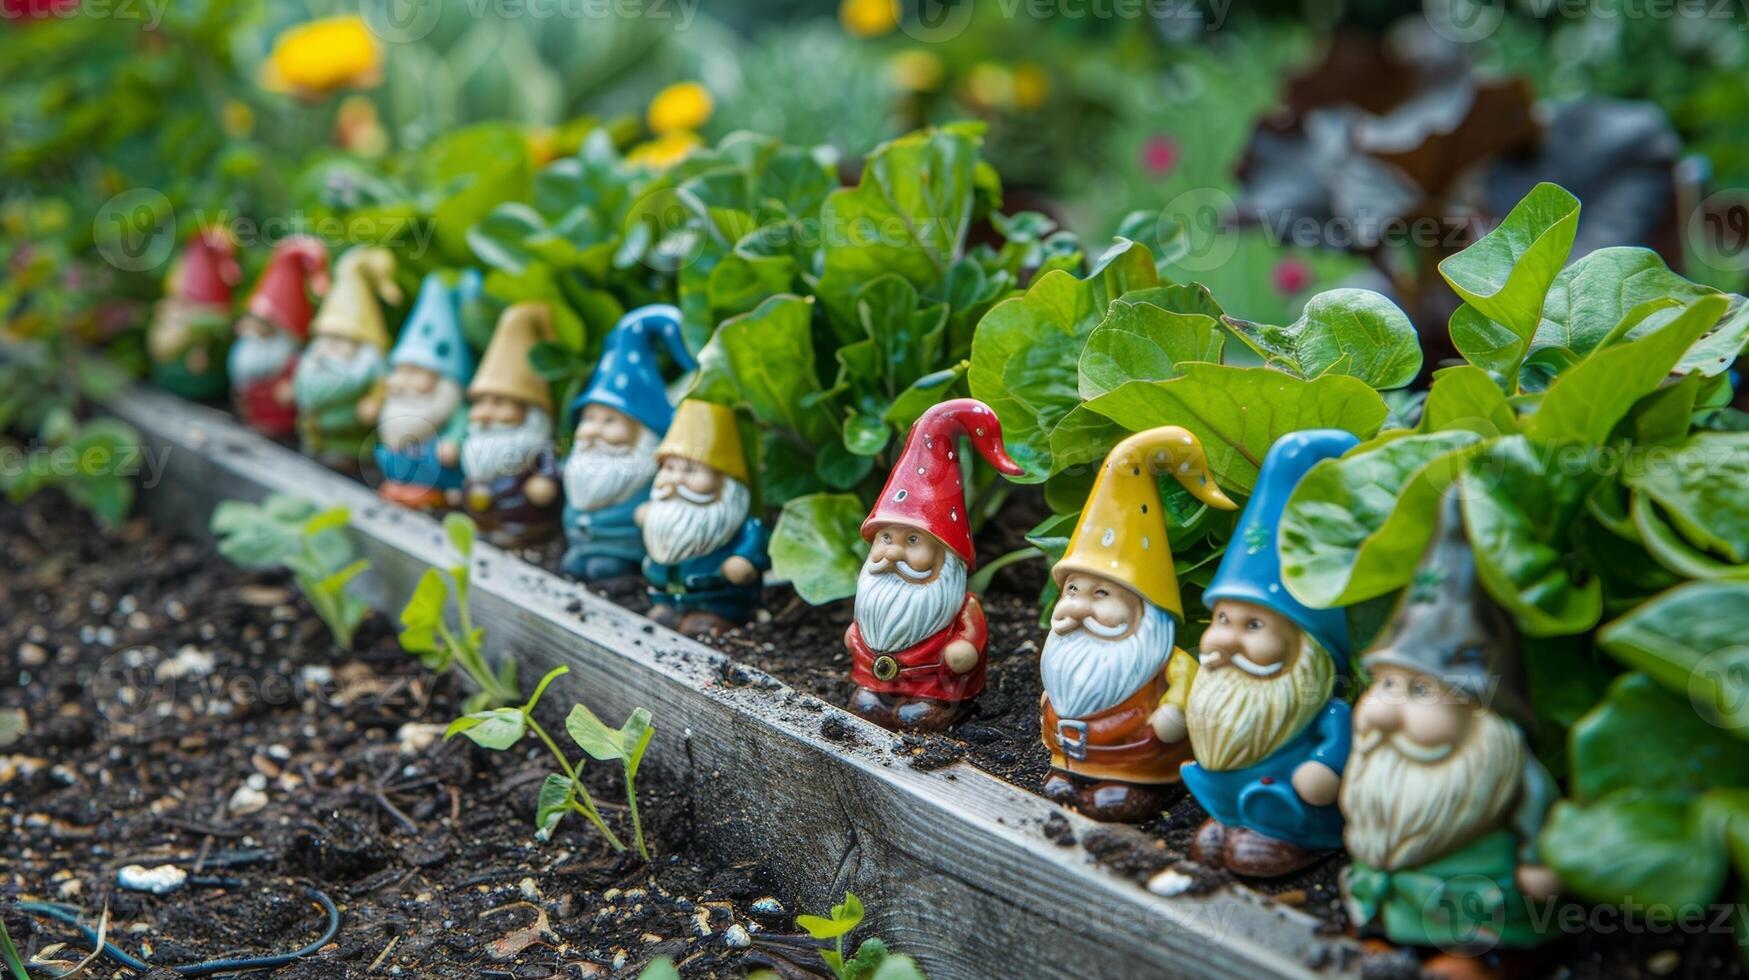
(505, 370)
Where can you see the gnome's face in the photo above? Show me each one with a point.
(336, 370)
(1430, 770)
(910, 588)
(694, 510)
(1106, 642)
(261, 352)
(417, 403)
(505, 437)
(612, 458)
(1262, 681)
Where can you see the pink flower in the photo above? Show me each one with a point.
(1290, 276)
(1159, 155)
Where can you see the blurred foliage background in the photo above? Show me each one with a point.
(1302, 145)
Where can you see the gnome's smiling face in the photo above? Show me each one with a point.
(694, 510)
(505, 437)
(612, 458)
(262, 351)
(1263, 680)
(910, 588)
(1106, 642)
(417, 403)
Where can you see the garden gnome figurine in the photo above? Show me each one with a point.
(705, 551)
(623, 415)
(917, 642)
(272, 331)
(1269, 732)
(1443, 796)
(510, 486)
(339, 377)
(1115, 683)
(191, 325)
(425, 415)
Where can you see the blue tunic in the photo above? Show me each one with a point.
(698, 584)
(418, 467)
(608, 532)
(1261, 797)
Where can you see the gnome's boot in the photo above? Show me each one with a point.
(701, 622)
(1119, 802)
(1060, 788)
(908, 714)
(664, 614)
(1208, 847)
(1247, 852)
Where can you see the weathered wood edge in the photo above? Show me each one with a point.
(954, 863)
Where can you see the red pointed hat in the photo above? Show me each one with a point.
(925, 489)
(298, 267)
(209, 268)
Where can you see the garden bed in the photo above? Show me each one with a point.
(774, 777)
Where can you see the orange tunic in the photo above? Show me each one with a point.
(1119, 743)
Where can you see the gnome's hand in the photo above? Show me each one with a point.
(283, 393)
(449, 453)
(638, 513)
(541, 490)
(1316, 783)
(740, 571)
(960, 656)
(1168, 722)
(1537, 882)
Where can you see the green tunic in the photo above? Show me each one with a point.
(1469, 898)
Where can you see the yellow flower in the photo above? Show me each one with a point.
(359, 129)
(664, 151)
(916, 70)
(239, 119)
(681, 107)
(989, 86)
(321, 56)
(869, 18)
(1031, 86)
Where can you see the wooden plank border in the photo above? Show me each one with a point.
(954, 861)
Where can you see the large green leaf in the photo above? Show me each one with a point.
(1694, 640)
(908, 215)
(1356, 332)
(1518, 506)
(1643, 736)
(1026, 351)
(1597, 291)
(1700, 484)
(1239, 412)
(1141, 341)
(1505, 275)
(1587, 401)
(817, 545)
(769, 356)
(1355, 527)
(1466, 397)
(1635, 844)
(1713, 354)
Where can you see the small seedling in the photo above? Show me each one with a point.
(288, 532)
(872, 960)
(426, 633)
(9, 953)
(563, 792)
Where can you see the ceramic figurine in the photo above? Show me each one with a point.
(917, 642)
(271, 334)
(622, 416)
(705, 553)
(1115, 683)
(510, 486)
(424, 416)
(1268, 729)
(1443, 796)
(338, 382)
(191, 325)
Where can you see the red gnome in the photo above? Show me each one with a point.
(271, 333)
(917, 643)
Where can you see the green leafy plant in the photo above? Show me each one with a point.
(1601, 473)
(871, 961)
(426, 633)
(289, 532)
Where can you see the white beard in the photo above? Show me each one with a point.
(323, 379)
(255, 359)
(1086, 674)
(410, 420)
(1237, 720)
(1402, 813)
(601, 476)
(894, 613)
(676, 529)
(492, 450)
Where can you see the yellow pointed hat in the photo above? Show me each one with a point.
(1122, 531)
(363, 280)
(705, 432)
(505, 370)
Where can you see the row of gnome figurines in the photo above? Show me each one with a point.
(1427, 779)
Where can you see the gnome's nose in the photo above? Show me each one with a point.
(1378, 714)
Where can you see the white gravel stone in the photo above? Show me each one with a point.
(1170, 883)
(248, 799)
(162, 880)
(190, 662)
(768, 906)
(415, 737)
(736, 937)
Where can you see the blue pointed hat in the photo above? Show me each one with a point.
(1251, 569)
(432, 337)
(629, 377)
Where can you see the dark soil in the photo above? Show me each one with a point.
(137, 744)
